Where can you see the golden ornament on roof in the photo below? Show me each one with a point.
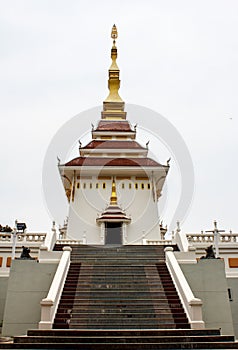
(114, 34)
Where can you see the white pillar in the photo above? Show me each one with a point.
(102, 227)
(14, 240)
(216, 242)
(124, 233)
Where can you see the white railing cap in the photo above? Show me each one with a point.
(168, 249)
(47, 302)
(43, 247)
(195, 301)
(67, 249)
(191, 248)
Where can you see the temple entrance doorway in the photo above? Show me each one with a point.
(113, 233)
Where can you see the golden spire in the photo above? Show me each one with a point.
(114, 72)
(114, 34)
(113, 199)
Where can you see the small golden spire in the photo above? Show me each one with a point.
(114, 72)
(114, 34)
(113, 199)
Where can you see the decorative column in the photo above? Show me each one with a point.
(124, 233)
(102, 227)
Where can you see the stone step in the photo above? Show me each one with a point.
(119, 323)
(114, 289)
(124, 309)
(124, 333)
(119, 315)
(113, 315)
(117, 319)
(143, 301)
(123, 254)
(123, 346)
(117, 291)
(105, 285)
(168, 326)
(126, 296)
(119, 339)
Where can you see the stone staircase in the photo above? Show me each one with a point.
(122, 339)
(120, 298)
(119, 288)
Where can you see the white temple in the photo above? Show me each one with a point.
(113, 189)
(115, 154)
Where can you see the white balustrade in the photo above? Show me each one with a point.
(192, 305)
(69, 241)
(208, 238)
(158, 242)
(50, 304)
(23, 237)
(5, 237)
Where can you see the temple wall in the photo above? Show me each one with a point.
(137, 202)
(3, 295)
(208, 282)
(28, 284)
(233, 285)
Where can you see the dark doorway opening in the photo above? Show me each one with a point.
(113, 233)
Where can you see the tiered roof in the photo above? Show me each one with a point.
(107, 125)
(113, 139)
(113, 162)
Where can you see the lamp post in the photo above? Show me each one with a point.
(18, 227)
(14, 239)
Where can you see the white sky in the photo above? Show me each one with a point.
(179, 58)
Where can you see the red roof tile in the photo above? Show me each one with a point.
(108, 217)
(113, 144)
(102, 161)
(113, 126)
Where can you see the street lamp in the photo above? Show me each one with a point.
(19, 226)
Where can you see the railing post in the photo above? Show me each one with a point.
(196, 314)
(49, 304)
(192, 306)
(46, 311)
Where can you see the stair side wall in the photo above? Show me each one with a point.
(208, 282)
(3, 295)
(28, 284)
(233, 285)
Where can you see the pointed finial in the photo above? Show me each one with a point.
(114, 72)
(113, 199)
(114, 34)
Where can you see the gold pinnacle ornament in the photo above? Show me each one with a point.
(113, 199)
(114, 72)
(114, 34)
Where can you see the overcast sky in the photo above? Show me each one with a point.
(179, 58)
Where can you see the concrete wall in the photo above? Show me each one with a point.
(3, 293)
(28, 283)
(208, 282)
(233, 285)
